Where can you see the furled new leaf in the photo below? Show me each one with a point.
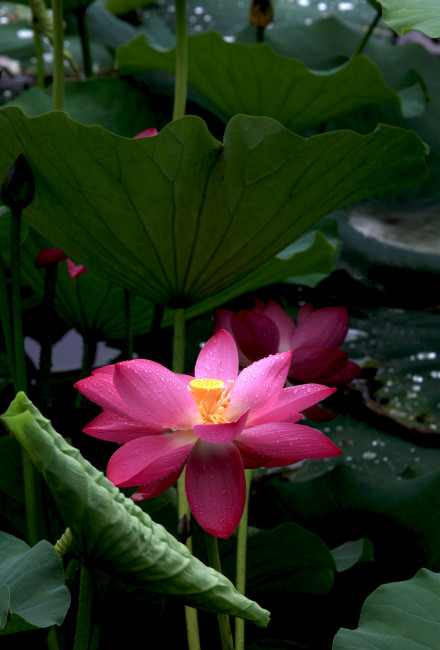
(404, 615)
(179, 217)
(115, 533)
(253, 79)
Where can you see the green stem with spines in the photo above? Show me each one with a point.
(240, 580)
(128, 307)
(366, 37)
(88, 358)
(58, 56)
(5, 316)
(180, 87)
(83, 31)
(223, 619)
(38, 52)
(192, 626)
(17, 326)
(31, 482)
(50, 278)
(84, 615)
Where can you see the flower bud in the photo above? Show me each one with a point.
(18, 188)
(184, 529)
(261, 13)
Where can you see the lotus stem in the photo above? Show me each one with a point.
(58, 55)
(5, 315)
(88, 358)
(50, 278)
(192, 626)
(366, 36)
(83, 31)
(38, 52)
(84, 616)
(223, 619)
(128, 324)
(180, 87)
(240, 580)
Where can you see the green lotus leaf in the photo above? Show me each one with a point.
(31, 582)
(114, 532)
(404, 15)
(253, 79)
(180, 217)
(404, 615)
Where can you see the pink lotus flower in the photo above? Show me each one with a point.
(314, 340)
(53, 255)
(220, 421)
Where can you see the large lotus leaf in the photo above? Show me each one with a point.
(254, 80)
(31, 582)
(307, 261)
(404, 615)
(94, 306)
(179, 217)
(404, 15)
(113, 531)
(328, 40)
(113, 103)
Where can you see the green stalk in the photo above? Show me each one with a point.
(260, 34)
(84, 615)
(192, 626)
(52, 639)
(17, 326)
(88, 357)
(50, 278)
(156, 323)
(180, 87)
(128, 324)
(58, 55)
(83, 31)
(5, 316)
(223, 619)
(241, 561)
(38, 52)
(366, 36)
(32, 485)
